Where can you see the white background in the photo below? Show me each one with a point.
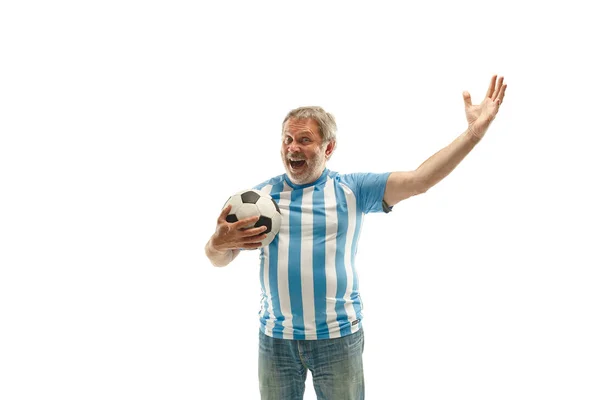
(125, 126)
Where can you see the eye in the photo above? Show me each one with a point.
(305, 140)
(287, 140)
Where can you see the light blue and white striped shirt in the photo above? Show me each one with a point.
(307, 273)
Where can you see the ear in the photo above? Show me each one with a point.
(329, 149)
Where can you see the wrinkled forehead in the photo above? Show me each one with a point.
(295, 126)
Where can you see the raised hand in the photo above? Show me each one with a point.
(480, 116)
(237, 235)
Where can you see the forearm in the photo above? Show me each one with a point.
(439, 165)
(218, 258)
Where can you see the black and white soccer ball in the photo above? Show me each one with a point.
(250, 203)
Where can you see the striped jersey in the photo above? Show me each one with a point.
(307, 273)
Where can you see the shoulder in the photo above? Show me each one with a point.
(270, 183)
(362, 178)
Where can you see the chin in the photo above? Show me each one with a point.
(302, 179)
(298, 180)
(309, 175)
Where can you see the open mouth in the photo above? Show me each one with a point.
(297, 164)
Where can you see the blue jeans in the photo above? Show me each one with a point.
(335, 364)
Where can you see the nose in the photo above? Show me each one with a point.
(293, 147)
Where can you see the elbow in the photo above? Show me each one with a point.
(212, 257)
(217, 263)
(421, 183)
(423, 189)
(420, 186)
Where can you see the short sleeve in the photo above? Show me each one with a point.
(369, 189)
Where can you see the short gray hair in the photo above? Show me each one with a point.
(325, 120)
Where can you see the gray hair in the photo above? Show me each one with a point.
(325, 120)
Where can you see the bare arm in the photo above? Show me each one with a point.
(219, 258)
(225, 244)
(402, 185)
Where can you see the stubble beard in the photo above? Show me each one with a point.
(313, 170)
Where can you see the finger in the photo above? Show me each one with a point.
(492, 87)
(246, 222)
(224, 213)
(251, 246)
(501, 95)
(255, 238)
(498, 87)
(467, 99)
(253, 231)
(222, 229)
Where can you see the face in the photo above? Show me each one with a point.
(302, 150)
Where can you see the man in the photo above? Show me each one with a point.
(311, 308)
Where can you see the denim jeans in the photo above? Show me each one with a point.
(335, 364)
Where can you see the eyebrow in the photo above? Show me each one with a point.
(297, 133)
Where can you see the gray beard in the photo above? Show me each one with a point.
(312, 173)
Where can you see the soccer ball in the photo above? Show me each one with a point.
(250, 203)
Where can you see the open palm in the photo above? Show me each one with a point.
(480, 116)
